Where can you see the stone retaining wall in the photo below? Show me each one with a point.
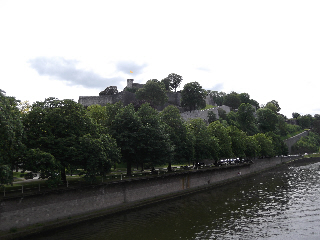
(291, 141)
(21, 212)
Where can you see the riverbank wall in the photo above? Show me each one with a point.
(37, 209)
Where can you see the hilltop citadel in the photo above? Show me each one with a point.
(127, 96)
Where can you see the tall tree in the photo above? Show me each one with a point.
(246, 119)
(232, 100)
(252, 148)
(244, 98)
(305, 121)
(57, 127)
(265, 145)
(220, 132)
(192, 96)
(218, 97)
(295, 115)
(153, 92)
(267, 120)
(174, 80)
(205, 143)
(166, 82)
(238, 143)
(11, 132)
(154, 145)
(178, 134)
(125, 128)
(276, 104)
(279, 147)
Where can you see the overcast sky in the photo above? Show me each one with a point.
(66, 49)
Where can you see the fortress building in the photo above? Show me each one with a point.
(127, 96)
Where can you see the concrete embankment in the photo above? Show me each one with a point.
(81, 204)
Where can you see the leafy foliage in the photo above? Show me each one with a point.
(232, 100)
(192, 96)
(265, 145)
(220, 132)
(58, 127)
(267, 120)
(11, 132)
(174, 81)
(308, 144)
(246, 118)
(178, 134)
(205, 144)
(153, 92)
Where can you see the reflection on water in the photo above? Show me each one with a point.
(279, 204)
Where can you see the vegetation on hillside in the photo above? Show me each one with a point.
(55, 136)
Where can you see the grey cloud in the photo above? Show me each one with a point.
(127, 66)
(66, 70)
(217, 87)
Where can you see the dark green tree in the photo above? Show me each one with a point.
(57, 127)
(232, 100)
(272, 107)
(125, 129)
(279, 147)
(153, 145)
(176, 128)
(36, 160)
(174, 80)
(281, 127)
(238, 143)
(246, 119)
(295, 115)
(217, 97)
(96, 155)
(232, 119)
(265, 145)
(205, 143)
(305, 121)
(220, 132)
(222, 114)
(255, 104)
(276, 104)
(11, 132)
(211, 117)
(166, 82)
(192, 96)
(153, 92)
(252, 148)
(244, 98)
(267, 120)
(308, 144)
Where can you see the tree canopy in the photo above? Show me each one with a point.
(153, 92)
(173, 80)
(60, 127)
(11, 132)
(192, 96)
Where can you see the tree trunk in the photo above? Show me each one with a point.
(129, 168)
(63, 175)
(169, 167)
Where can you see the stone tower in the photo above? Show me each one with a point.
(129, 83)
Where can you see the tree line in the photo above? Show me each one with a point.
(55, 136)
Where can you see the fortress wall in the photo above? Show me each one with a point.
(291, 141)
(203, 114)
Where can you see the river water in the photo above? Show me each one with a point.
(279, 204)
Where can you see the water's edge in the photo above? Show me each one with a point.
(141, 203)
